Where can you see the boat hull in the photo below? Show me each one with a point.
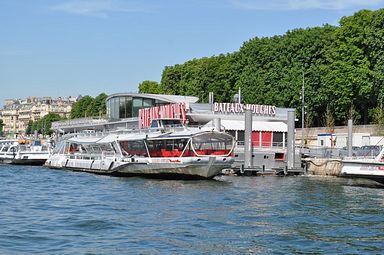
(29, 162)
(5, 161)
(206, 168)
(167, 168)
(363, 169)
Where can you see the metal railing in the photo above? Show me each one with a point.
(339, 153)
(265, 145)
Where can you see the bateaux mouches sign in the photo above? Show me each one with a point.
(172, 111)
(266, 110)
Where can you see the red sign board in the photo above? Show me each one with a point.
(168, 111)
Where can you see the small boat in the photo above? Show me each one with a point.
(368, 168)
(24, 152)
(8, 149)
(172, 153)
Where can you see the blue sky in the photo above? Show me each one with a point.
(85, 47)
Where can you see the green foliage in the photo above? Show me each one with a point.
(151, 87)
(29, 129)
(1, 126)
(378, 119)
(88, 106)
(329, 120)
(43, 125)
(200, 76)
(343, 70)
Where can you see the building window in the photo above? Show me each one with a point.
(240, 136)
(122, 108)
(278, 139)
(114, 108)
(147, 102)
(128, 107)
(137, 104)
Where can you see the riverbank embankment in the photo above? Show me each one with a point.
(323, 166)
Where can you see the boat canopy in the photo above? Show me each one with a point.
(131, 137)
(108, 139)
(83, 140)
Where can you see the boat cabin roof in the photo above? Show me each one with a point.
(158, 135)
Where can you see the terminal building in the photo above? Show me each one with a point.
(136, 110)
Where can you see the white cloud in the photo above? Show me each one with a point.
(304, 4)
(98, 8)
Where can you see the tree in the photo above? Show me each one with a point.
(29, 129)
(43, 125)
(378, 118)
(329, 120)
(90, 107)
(82, 108)
(98, 106)
(348, 78)
(151, 87)
(46, 122)
(1, 126)
(343, 66)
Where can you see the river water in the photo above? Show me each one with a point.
(44, 211)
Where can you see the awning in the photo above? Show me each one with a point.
(108, 139)
(256, 125)
(131, 137)
(84, 140)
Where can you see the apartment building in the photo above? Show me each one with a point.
(16, 113)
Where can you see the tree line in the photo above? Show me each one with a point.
(342, 68)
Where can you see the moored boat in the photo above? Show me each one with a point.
(24, 152)
(372, 169)
(186, 153)
(8, 149)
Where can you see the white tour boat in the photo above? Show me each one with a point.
(364, 168)
(8, 149)
(188, 153)
(24, 152)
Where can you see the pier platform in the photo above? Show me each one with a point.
(261, 171)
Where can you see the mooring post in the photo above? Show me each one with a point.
(350, 124)
(291, 139)
(248, 139)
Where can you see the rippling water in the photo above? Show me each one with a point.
(45, 211)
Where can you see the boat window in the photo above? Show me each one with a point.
(171, 123)
(72, 148)
(97, 148)
(167, 147)
(59, 149)
(23, 147)
(131, 148)
(154, 124)
(212, 144)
